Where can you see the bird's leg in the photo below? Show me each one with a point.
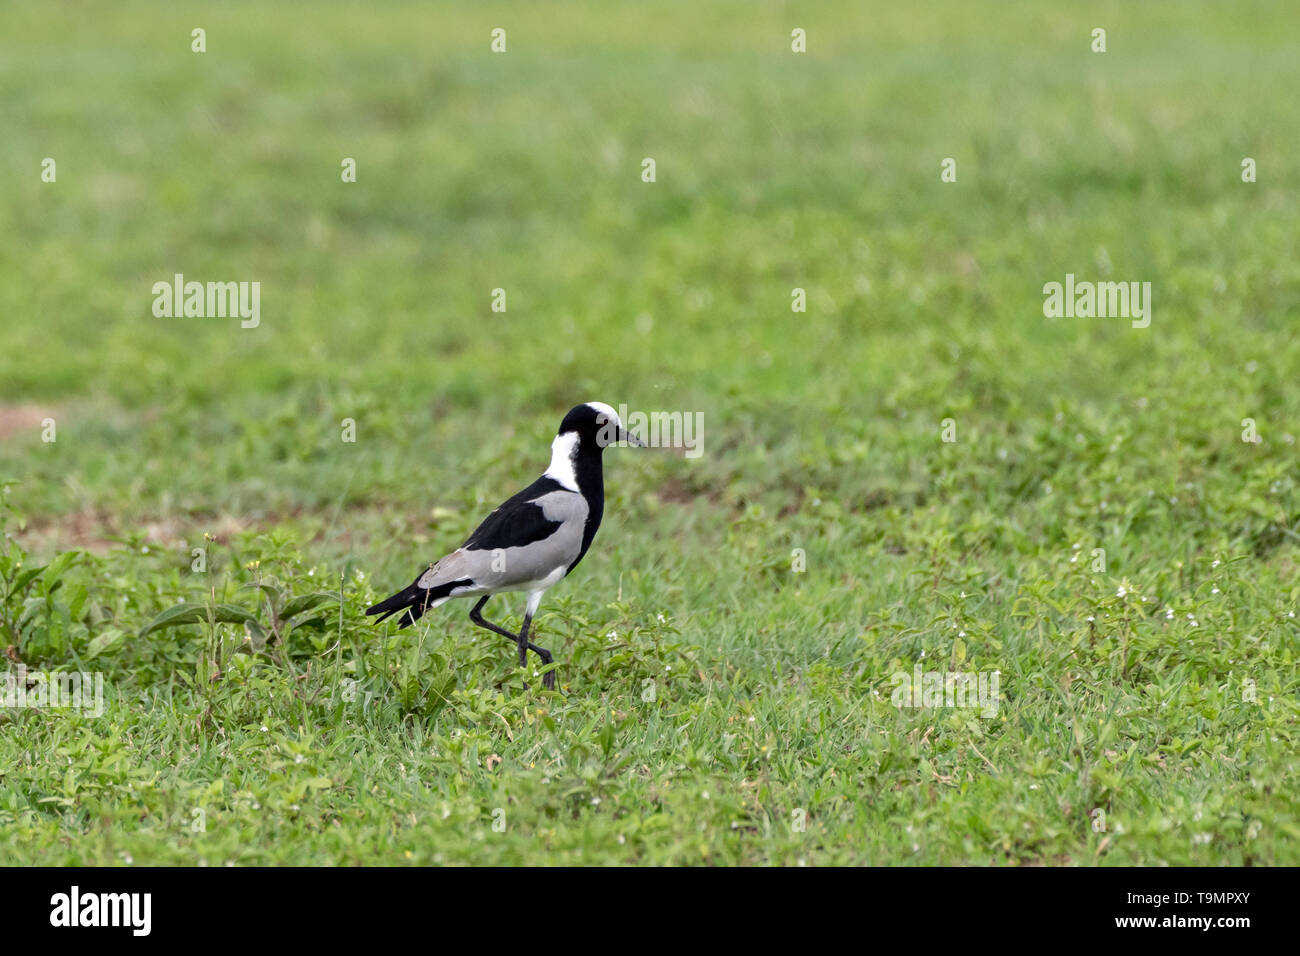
(523, 643)
(549, 678)
(535, 598)
(476, 615)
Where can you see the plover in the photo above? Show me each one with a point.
(532, 540)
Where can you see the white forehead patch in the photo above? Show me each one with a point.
(605, 410)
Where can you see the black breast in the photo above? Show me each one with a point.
(591, 483)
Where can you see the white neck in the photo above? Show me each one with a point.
(563, 450)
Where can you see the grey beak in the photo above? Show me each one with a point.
(627, 436)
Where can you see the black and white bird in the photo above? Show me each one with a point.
(532, 540)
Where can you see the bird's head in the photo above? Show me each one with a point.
(596, 426)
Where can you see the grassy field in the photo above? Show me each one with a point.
(1098, 535)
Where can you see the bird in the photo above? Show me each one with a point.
(532, 540)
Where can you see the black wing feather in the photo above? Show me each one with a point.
(517, 522)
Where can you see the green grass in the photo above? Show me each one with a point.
(709, 694)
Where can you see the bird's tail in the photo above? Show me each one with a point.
(409, 598)
(414, 600)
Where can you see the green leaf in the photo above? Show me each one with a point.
(55, 569)
(198, 613)
(23, 578)
(30, 606)
(305, 602)
(109, 640)
(76, 601)
(256, 636)
(272, 591)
